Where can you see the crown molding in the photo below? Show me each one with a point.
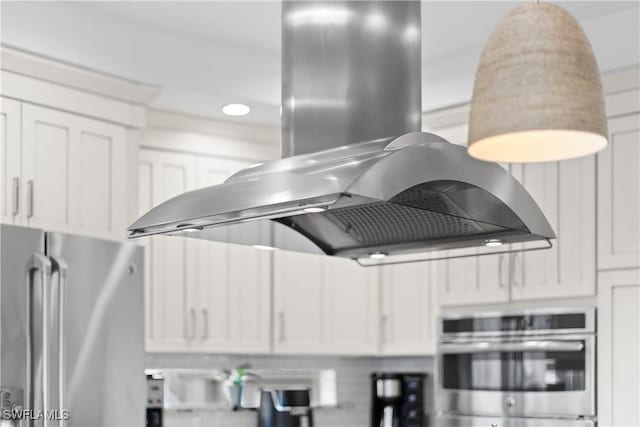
(61, 73)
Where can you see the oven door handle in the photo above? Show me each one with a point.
(488, 346)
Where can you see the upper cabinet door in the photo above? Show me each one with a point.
(351, 306)
(171, 318)
(299, 302)
(565, 191)
(473, 280)
(619, 195)
(233, 283)
(10, 173)
(324, 305)
(214, 171)
(250, 299)
(408, 309)
(74, 173)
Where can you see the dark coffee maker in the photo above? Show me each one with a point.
(285, 408)
(397, 400)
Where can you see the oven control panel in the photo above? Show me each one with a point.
(578, 321)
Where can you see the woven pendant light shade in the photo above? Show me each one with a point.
(537, 94)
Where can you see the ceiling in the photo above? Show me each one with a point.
(203, 55)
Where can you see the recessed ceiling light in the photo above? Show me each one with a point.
(492, 243)
(265, 247)
(378, 255)
(236, 109)
(314, 210)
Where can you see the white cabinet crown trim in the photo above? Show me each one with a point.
(55, 71)
(52, 95)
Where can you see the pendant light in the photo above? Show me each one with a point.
(537, 94)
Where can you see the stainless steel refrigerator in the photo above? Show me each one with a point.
(72, 331)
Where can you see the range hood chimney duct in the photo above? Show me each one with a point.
(351, 73)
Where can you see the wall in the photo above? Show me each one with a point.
(352, 376)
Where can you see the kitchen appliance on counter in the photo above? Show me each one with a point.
(72, 331)
(204, 389)
(530, 368)
(155, 401)
(397, 399)
(285, 408)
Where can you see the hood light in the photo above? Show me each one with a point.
(265, 247)
(236, 109)
(189, 228)
(313, 210)
(492, 243)
(378, 255)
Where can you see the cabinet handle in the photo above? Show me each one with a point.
(16, 196)
(205, 322)
(30, 198)
(192, 335)
(514, 274)
(500, 267)
(384, 328)
(281, 326)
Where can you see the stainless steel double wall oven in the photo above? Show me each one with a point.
(518, 368)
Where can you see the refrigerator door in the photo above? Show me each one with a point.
(21, 252)
(100, 380)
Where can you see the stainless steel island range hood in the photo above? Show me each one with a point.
(357, 177)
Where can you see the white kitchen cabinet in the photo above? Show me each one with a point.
(619, 348)
(63, 172)
(201, 296)
(233, 289)
(250, 302)
(351, 310)
(407, 317)
(470, 280)
(73, 173)
(619, 195)
(231, 299)
(170, 261)
(565, 192)
(10, 172)
(298, 303)
(324, 305)
(473, 280)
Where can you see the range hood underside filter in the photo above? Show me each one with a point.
(420, 217)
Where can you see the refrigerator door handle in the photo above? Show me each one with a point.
(59, 266)
(39, 263)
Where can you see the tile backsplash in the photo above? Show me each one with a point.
(353, 385)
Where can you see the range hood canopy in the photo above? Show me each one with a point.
(358, 178)
(417, 192)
